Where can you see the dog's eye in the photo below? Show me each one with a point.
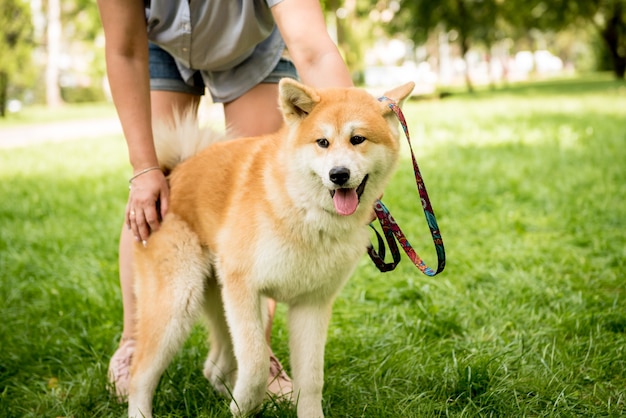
(322, 143)
(357, 139)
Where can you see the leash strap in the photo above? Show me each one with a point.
(378, 257)
(391, 229)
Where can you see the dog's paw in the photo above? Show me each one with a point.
(244, 409)
(248, 394)
(221, 380)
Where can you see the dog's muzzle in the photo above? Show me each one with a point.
(346, 200)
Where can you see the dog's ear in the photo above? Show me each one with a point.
(296, 100)
(400, 94)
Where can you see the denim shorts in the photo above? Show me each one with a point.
(165, 76)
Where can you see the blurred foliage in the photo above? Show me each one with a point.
(16, 43)
(355, 24)
(608, 17)
(82, 66)
(82, 94)
(486, 21)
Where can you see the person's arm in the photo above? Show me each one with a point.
(126, 54)
(316, 57)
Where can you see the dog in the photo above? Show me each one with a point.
(281, 216)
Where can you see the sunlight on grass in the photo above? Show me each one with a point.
(491, 119)
(528, 319)
(42, 114)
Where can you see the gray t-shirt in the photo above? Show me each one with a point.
(235, 44)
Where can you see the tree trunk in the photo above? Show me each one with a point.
(53, 92)
(619, 67)
(464, 37)
(613, 35)
(4, 84)
(465, 47)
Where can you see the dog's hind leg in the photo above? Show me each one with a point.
(170, 276)
(308, 325)
(220, 367)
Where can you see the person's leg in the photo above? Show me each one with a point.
(256, 113)
(169, 92)
(253, 114)
(164, 103)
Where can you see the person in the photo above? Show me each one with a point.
(160, 56)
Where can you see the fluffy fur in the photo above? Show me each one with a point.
(281, 216)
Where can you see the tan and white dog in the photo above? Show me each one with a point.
(281, 216)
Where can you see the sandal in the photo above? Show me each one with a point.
(119, 368)
(279, 385)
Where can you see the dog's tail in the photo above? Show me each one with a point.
(177, 141)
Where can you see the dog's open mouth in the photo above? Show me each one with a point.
(347, 200)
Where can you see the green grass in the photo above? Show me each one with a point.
(41, 114)
(528, 319)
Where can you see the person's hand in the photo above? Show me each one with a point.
(147, 204)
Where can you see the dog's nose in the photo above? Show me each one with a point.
(339, 175)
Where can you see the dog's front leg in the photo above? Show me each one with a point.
(244, 314)
(308, 325)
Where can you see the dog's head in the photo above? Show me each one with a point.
(345, 144)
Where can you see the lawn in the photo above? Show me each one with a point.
(529, 318)
(42, 114)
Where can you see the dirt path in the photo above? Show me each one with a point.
(25, 135)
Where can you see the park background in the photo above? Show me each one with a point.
(519, 126)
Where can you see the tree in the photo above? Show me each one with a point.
(70, 27)
(352, 30)
(608, 17)
(486, 21)
(473, 20)
(53, 49)
(15, 44)
(614, 33)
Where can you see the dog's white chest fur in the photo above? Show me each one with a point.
(315, 266)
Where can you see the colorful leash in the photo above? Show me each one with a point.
(391, 229)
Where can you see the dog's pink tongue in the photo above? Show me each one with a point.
(346, 201)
